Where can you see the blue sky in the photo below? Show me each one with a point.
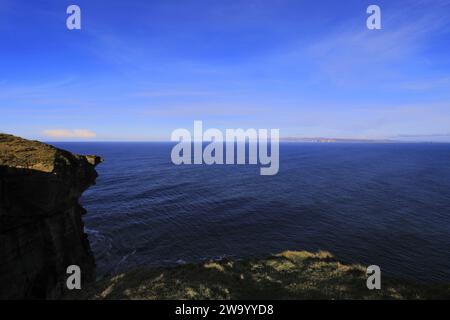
(140, 69)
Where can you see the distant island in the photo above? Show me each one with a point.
(335, 140)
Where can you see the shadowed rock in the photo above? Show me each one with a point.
(41, 230)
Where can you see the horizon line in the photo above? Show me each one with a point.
(336, 141)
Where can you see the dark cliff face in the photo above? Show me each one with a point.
(41, 230)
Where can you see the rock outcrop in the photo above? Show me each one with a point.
(41, 229)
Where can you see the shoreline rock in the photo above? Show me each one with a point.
(41, 230)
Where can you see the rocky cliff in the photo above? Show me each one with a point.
(41, 229)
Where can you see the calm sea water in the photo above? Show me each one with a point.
(383, 204)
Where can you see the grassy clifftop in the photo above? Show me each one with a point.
(289, 275)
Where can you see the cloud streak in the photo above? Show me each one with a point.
(69, 134)
(353, 57)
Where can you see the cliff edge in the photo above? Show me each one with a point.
(41, 230)
(288, 275)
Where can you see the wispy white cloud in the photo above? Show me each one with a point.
(348, 57)
(33, 90)
(172, 93)
(427, 84)
(69, 134)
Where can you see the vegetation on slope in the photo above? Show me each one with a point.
(289, 275)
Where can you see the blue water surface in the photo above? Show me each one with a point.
(383, 204)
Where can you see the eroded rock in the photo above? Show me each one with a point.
(41, 230)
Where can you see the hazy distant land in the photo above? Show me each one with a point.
(350, 140)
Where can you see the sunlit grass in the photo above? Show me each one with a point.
(288, 275)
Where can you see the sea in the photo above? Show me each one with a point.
(368, 203)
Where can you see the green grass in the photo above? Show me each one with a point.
(289, 275)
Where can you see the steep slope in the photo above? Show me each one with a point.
(288, 275)
(41, 230)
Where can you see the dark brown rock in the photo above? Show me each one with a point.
(41, 230)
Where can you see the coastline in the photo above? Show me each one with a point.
(291, 275)
(52, 180)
